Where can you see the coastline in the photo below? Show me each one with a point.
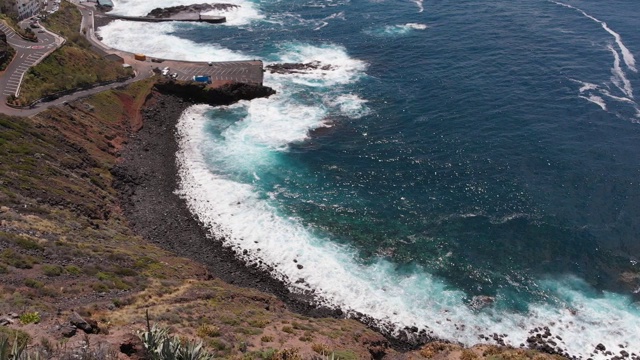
(147, 178)
(146, 181)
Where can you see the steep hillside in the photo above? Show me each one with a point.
(67, 249)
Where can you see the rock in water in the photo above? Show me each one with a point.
(191, 9)
(296, 68)
(481, 301)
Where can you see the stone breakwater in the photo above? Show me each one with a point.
(189, 9)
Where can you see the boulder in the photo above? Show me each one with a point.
(89, 326)
(66, 331)
(133, 347)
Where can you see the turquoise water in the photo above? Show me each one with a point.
(452, 150)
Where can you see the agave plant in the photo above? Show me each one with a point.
(193, 351)
(161, 346)
(16, 351)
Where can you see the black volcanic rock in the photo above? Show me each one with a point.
(193, 9)
(293, 68)
(223, 95)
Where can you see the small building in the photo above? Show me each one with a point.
(21, 9)
(105, 4)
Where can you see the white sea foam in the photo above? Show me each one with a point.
(414, 298)
(596, 100)
(155, 39)
(629, 60)
(350, 105)
(420, 5)
(416, 26)
(396, 30)
(324, 22)
(586, 86)
(244, 14)
(619, 78)
(342, 68)
(617, 98)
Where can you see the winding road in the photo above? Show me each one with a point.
(29, 54)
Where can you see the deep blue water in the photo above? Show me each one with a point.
(493, 145)
(476, 115)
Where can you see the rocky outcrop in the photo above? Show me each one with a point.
(223, 95)
(162, 13)
(297, 68)
(89, 326)
(133, 347)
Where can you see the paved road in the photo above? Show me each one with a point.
(27, 55)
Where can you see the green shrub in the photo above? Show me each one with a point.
(267, 354)
(266, 338)
(16, 260)
(208, 331)
(345, 355)
(73, 270)
(27, 244)
(33, 283)
(52, 270)
(30, 318)
(321, 349)
(218, 344)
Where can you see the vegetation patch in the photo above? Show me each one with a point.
(6, 55)
(30, 318)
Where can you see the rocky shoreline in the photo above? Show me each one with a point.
(146, 178)
(163, 13)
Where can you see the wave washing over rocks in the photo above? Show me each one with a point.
(297, 68)
(168, 12)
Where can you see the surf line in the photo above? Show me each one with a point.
(629, 60)
(420, 6)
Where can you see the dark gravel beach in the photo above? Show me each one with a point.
(147, 178)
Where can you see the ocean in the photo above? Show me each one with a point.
(466, 167)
